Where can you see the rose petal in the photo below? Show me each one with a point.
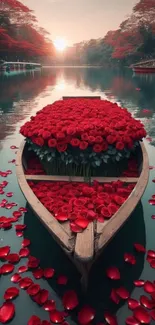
(62, 279)
(56, 316)
(45, 322)
(113, 273)
(75, 228)
(19, 233)
(25, 283)
(17, 214)
(142, 315)
(15, 278)
(43, 296)
(7, 312)
(149, 287)
(152, 264)
(151, 253)
(129, 258)
(23, 269)
(114, 297)
(24, 252)
(23, 209)
(13, 147)
(86, 315)
(153, 216)
(11, 293)
(146, 302)
(38, 274)
(7, 268)
(139, 283)
(70, 300)
(139, 248)
(49, 305)
(133, 304)
(9, 194)
(20, 227)
(48, 273)
(82, 223)
(33, 289)
(4, 251)
(122, 293)
(152, 201)
(33, 262)
(61, 217)
(26, 242)
(132, 321)
(110, 319)
(34, 320)
(152, 314)
(13, 258)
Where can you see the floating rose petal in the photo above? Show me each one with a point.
(9, 206)
(7, 268)
(38, 274)
(113, 273)
(152, 314)
(9, 194)
(149, 287)
(86, 315)
(4, 251)
(34, 320)
(139, 248)
(33, 262)
(33, 289)
(56, 317)
(22, 269)
(49, 305)
(110, 319)
(81, 222)
(70, 300)
(139, 283)
(75, 228)
(45, 322)
(9, 171)
(152, 201)
(13, 258)
(7, 225)
(26, 242)
(19, 233)
(1, 192)
(133, 304)
(151, 253)
(122, 293)
(132, 321)
(12, 161)
(153, 216)
(11, 293)
(62, 279)
(152, 264)
(25, 283)
(24, 252)
(13, 147)
(3, 219)
(17, 214)
(61, 217)
(142, 315)
(146, 302)
(129, 258)
(20, 227)
(48, 273)
(114, 297)
(7, 311)
(23, 209)
(138, 89)
(16, 278)
(151, 167)
(42, 296)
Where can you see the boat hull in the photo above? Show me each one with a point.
(144, 70)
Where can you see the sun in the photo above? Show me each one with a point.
(60, 44)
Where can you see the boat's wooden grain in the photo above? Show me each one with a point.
(84, 245)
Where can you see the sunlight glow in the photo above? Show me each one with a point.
(60, 44)
(61, 85)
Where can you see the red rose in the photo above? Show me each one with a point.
(120, 146)
(97, 148)
(61, 147)
(83, 145)
(39, 141)
(104, 146)
(111, 139)
(46, 135)
(98, 139)
(52, 143)
(75, 142)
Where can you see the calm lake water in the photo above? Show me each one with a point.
(22, 95)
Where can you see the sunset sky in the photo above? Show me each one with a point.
(77, 20)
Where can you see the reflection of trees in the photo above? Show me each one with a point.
(18, 93)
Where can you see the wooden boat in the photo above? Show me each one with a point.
(83, 248)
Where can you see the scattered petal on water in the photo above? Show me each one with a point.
(11, 293)
(142, 315)
(34, 320)
(25, 283)
(152, 264)
(45, 322)
(122, 293)
(13, 258)
(62, 279)
(152, 314)
(70, 300)
(33, 289)
(139, 283)
(24, 252)
(33, 262)
(86, 315)
(113, 273)
(19, 233)
(110, 319)
(133, 304)
(146, 302)
(56, 317)
(9, 194)
(129, 258)
(49, 305)
(38, 273)
(139, 248)
(7, 268)
(22, 209)
(4, 251)
(151, 253)
(132, 321)
(13, 147)
(114, 297)
(20, 227)
(22, 269)
(26, 242)
(152, 201)
(7, 311)
(15, 278)
(153, 216)
(149, 287)
(48, 273)
(43, 296)
(17, 214)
